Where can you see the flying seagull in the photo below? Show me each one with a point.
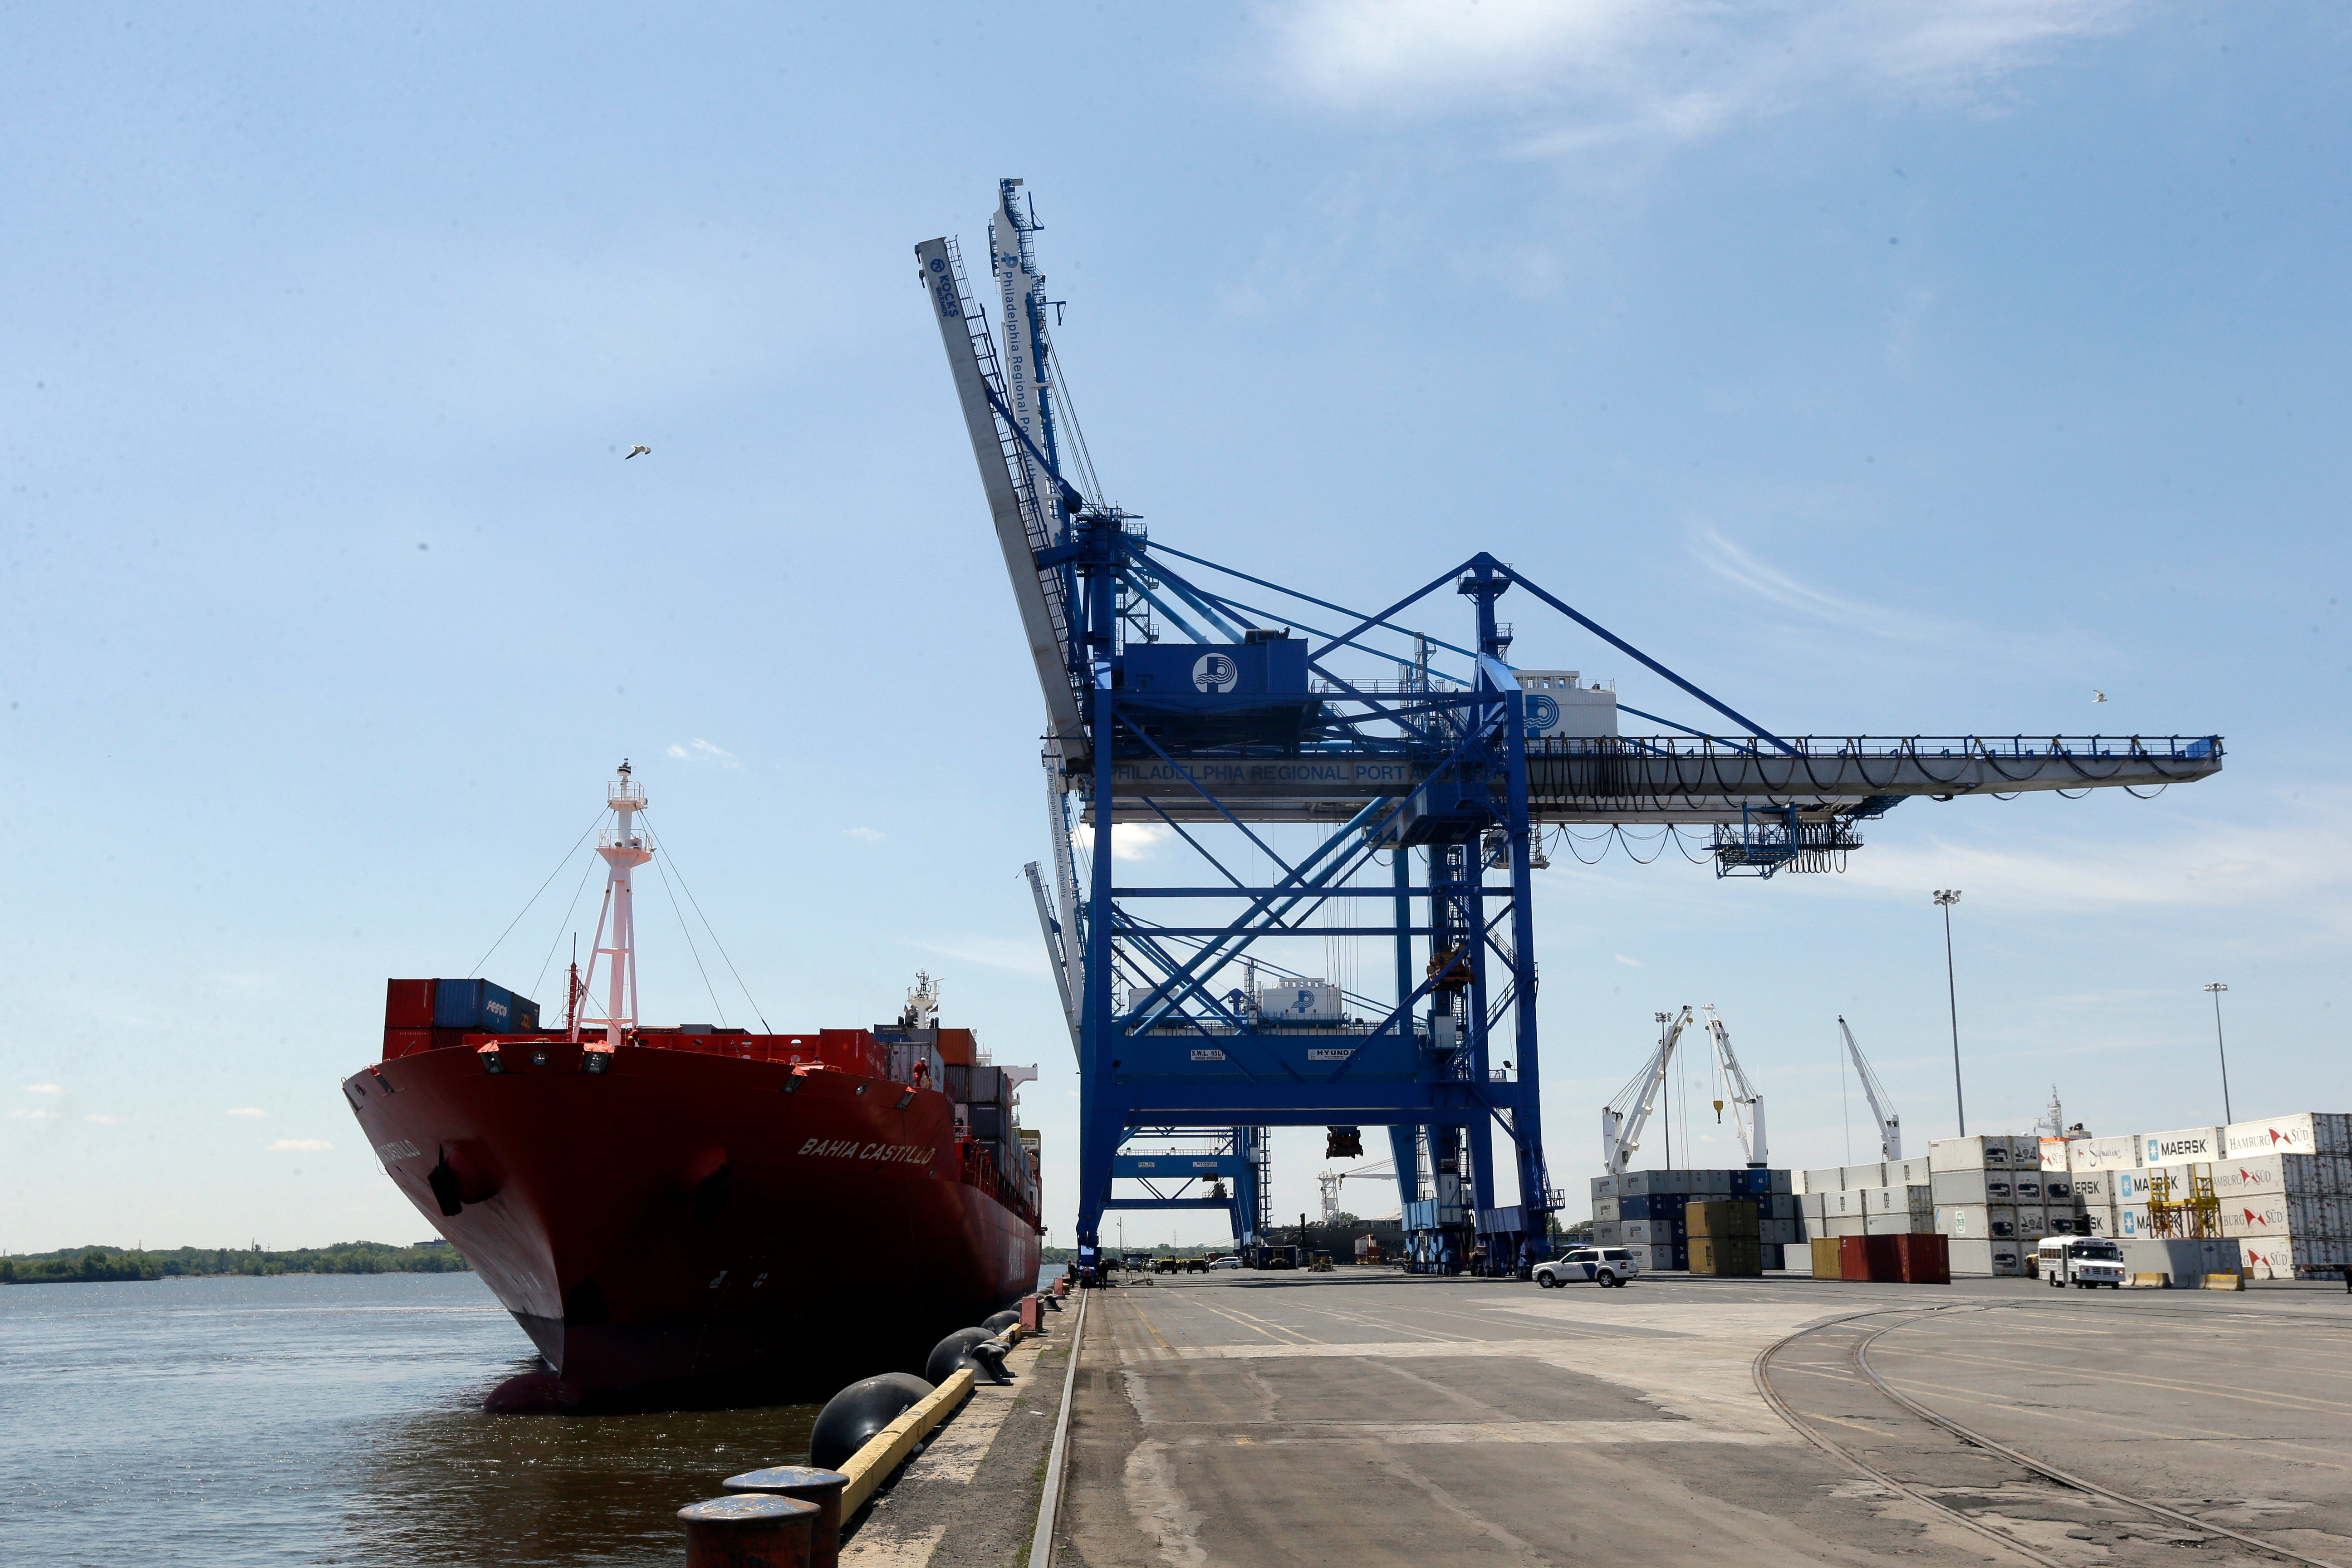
(2096, 695)
(648, 451)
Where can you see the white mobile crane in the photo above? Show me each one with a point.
(1890, 1125)
(1623, 1117)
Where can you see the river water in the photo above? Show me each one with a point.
(328, 1419)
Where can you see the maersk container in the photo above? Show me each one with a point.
(480, 1007)
(2102, 1220)
(2182, 1146)
(2307, 1133)
(2093, 1187)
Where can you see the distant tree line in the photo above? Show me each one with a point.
(77, 1265)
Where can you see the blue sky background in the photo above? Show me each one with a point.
(1886, 367)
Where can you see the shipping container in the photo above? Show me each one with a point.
(2093, 1187)
(2057, 1188)
(1603, 1209)
(1734, 1256)
(1779, 1232)
(2299, 1174)
(1604, 1186)
(1783, 1182)
(1850, 1225)
(1898, 1200)
(2101, 1219)
(1885, 1257)
(1776, 1257)
(1851, 1177)
(1971, 1187)
(2181, 1146)
(1985, 1153)
(2104, 1153)
(1633, 1184)
(1812, 1207)
(1608, 1233)
(1924, 1259)
(2027, 1188)
(1997, 1260)
(1826, 1266)
(2033, 1223)
(480, 1007)
(2184, 1262)
(1710, 1183)
(1914, 1172)
(2308, 1132)
(2050, 1155)
(1854, 1258)
(1653, 1232)
(1719, 1218)
(2273, 1213)
(408, 1004)
(1829, 1179)
(1977, 1222)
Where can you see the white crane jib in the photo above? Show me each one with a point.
(1623, 1117)
(1011, 439)
(1890, 1125)
(1748, 1106)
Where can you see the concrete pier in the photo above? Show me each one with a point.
(1368, 1418)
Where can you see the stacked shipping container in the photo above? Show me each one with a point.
(2285, 1185)
(1650, 1209)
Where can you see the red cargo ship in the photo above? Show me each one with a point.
(693, 1211)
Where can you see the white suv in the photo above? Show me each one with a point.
(1607, 1264)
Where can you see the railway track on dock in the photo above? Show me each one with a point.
(1819, 1380)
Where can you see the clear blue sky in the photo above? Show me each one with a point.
(1885, 366)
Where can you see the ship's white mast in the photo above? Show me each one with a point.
(623, 851)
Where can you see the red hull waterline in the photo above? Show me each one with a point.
(699, 1219)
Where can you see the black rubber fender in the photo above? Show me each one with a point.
(851, 1418)
(1000, 1322)
(978, 1349)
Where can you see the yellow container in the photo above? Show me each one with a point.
(1736, 1257)
(1719, 1216)
(1827, 1264)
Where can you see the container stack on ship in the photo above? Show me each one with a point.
(693, 1211)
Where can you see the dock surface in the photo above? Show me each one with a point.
(1369, 1417)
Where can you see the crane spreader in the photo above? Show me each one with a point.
(1220, 707)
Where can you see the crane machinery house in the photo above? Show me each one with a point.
(1558, 709)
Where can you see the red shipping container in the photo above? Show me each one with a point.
(408, 1004)
(1926, 1259)
(1886, 1258)
(1854, 1258)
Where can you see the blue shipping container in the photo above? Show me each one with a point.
(482, 1009)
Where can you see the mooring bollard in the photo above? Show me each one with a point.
(751, 1530)
(822, 1488)
(1032, 1314)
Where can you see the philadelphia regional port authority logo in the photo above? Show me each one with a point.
(1215, 672)
(1542, 711)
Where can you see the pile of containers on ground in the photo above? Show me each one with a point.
(1649, 1211)
(1724, 1236)
(2283, 1186)
(1888, 1197)
(1912, 1257)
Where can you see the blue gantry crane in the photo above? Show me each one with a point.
(1325, 773)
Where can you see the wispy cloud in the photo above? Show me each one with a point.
(865, 834)
(103, 1121)
(300, 1145)
(39, 1115)
(1629, 963)
(1128, 841)
(44, 1088)
(701, 751)
(1582, 74)
(1019, 956)
(249, 1111)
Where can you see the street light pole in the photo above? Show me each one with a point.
(1945, 898)
(2215, 991)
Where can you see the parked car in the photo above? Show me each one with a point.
(1605, 1266)
(2086, 1262)
(1224, 1263)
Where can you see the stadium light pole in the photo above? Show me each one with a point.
(1945, 898)
(2215, 991)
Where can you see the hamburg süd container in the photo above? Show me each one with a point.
(2305, 1132)
(2275, 1214)
(2299, 1174)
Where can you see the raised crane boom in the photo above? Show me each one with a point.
(1009, 421)
(1890, 1125)
(1748, 1106)
(1623, 1117)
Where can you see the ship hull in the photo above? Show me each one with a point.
(683, 1226)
